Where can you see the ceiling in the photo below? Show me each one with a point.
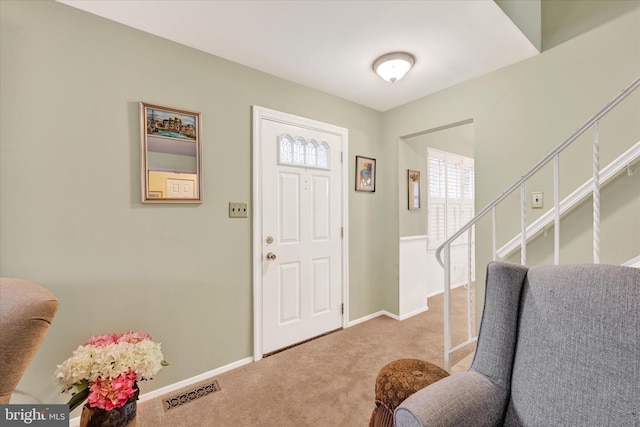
(331, 45)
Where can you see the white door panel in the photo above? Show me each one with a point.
(302, 208)
(180, 188)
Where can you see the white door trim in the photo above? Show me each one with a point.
(259, 114)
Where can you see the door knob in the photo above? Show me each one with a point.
(271, 256)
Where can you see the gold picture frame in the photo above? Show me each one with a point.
(170, 155)
(365, 174)
(413, 187)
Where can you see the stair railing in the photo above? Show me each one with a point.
(592, 123)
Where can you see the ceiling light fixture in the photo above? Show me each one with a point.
(393, 66)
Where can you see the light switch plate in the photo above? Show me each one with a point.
(537, 200)
(238, 210)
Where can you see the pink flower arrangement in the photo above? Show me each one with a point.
(106, 369)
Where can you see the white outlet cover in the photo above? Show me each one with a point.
(537, 199)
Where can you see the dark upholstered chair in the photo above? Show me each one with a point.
(26, 312)
(558, 346)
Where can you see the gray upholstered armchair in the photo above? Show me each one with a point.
(558, 346)
(26, 312)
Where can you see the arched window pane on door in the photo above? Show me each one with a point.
(298, 151)
(311, 153)
(285, 149)
(323, 156)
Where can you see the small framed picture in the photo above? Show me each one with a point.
(365, 174)
(413, 184)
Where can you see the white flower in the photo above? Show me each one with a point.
(89, 362)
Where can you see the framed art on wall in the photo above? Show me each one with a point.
(170, 155)
(365, 174)
(413, 184)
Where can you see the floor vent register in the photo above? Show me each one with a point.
(190, 396)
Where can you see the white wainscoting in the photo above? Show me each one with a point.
(414, 273)
(421, 276)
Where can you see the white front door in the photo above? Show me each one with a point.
(298, 226)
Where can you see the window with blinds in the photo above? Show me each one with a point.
(450, 195)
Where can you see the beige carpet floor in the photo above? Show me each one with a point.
(326, 382)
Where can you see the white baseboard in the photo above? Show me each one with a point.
(373, 316)
(433, 294)
(194, 380)
(635, 262)
(388, 314)
(413, 313)
(75, 422)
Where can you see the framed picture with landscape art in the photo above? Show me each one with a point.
(170, 158)
(365, 174)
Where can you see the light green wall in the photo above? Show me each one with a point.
(70, 212)
(527, 15)
(520, 113)
(549, 23)
(562, 20)
(412, 152)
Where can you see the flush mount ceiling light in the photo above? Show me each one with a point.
(393, 66)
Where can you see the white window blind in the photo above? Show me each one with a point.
(436, 177)
(469, 180)
(453, 179)
(451, 185)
